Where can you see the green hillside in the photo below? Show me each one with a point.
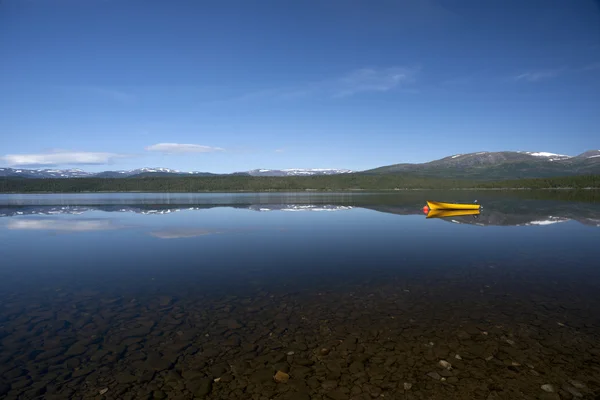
(492, 166)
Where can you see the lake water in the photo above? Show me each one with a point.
(348, 296)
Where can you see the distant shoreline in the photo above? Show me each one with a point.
(475, 189)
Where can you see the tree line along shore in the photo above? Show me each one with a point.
(296, 183)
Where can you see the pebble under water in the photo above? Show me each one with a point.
(227, 303)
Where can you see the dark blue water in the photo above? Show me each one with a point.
(513, 292)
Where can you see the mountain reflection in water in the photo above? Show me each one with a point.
(539, 214)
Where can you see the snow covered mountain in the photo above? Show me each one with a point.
(77, 173)
(589, 154)
(297, 172)
(12, 211)
(147, 172)
(44, 173)
(298, 207)
(501, 165)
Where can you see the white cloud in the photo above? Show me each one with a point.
(59, 158)
(372, 80)
(279, 150)
(535, 76)
(180, 148)
(62, 225)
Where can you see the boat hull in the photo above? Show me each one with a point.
(451, 213)
(438, 205)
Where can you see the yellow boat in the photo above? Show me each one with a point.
(438, 205)
(451, 213)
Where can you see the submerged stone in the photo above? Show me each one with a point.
(281, 377)
(548, 388)
(434, 375)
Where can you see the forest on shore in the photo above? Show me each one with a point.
(232, 183)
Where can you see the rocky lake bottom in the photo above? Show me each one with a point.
(481, 332)
(516, 324)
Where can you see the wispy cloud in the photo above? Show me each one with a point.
(53, 224)
(535, 76)
(372, 80)
(282, 93)
(458, 81)
(545, 74)
(182, 148)
(349, 84)
(279, 150)
(59, 158)
(591, 67)
(114, 94)
(110, 93)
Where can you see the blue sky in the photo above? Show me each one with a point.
(232, 85)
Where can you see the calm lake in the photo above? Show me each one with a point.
(299, 296)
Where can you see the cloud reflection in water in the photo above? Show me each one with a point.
(177, 233)
(63, 225)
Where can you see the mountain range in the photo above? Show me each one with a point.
(78, 173)
(148, 172)
(501, 165)
(481, 165)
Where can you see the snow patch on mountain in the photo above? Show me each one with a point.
(315, 171)
(545, 154)
(549, 156)
(173, 171)
(298, 172)
(551, 220)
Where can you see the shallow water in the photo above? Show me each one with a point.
(350, 296)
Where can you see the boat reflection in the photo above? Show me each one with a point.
(451, 213)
